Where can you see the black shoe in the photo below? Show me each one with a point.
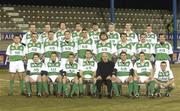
(109, 97)
(81, 95)
(99, 96)
(167, 94)
(158, 95)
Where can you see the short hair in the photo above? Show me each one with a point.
(141, 53)
(142, 34)
(16, 35)
(89, 51)
(61, 22)
(77, 23)
(54, 53)
(112, 24)
(149, 25)
(123, 52)
(36, 54)
(50, 32)
(123, 34)
(103, 33)
(161, 34)
(67, 31)
(163, 62)
(84, 29)
(71, 54)
(94, 23)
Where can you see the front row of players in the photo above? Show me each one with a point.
(68, 79)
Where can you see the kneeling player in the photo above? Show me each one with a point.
(87, 72)
(34, 70)
(144, 73)
(164, 80)
(71, 71)
(53, 67)
(123, 67)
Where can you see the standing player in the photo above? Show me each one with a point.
(16, 53)
(144, 73)
(94, 34)
(132, 37)
(104, 46)
(84, 43)
(124, 46)
(33, 74)
(71, 69)
(50, 45)
(67, 46)
(151, 37)
(164, 80)
(60, 33)
(88, 72)
(123, 67)
(113, 36)
(53, 68)
(33, 47)
(144, 46)
(77, 33)
(27, 37)
(44, 35)
(163, 51)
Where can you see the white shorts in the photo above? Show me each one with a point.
(16, 66)
(158, 63)
(142, 79)
(123, 78)
(53, 78)
(88, 77)
(34, 77)
(70, 78)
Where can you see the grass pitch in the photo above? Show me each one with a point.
(21, 103)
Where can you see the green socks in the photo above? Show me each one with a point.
(115, 88)
(39, 87)
(130, 88)
(28, 87)
(22, 86)
(74, 89)
(81, 89)
(11, 86)
(151, 87)
(93, 89)
(59, 87)
(65, 89)
(136, 88)
(45, 86)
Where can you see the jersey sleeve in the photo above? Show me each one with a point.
(24, 39)
(156, 74)
(170, 51)
(171, 76)
(114, 49)
(8, 50)
(95, 67)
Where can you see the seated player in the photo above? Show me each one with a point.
(33, 74)
(71, 70)
(88, 71)
(53, 68)
(164, 80)
(144, 73)
(123, 67)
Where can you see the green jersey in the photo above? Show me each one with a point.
(132, 37)
(15, 53)
(147, 48)
(143, 69)
(32, 48)
(108, 47)
(84, 45)
(163, 76)
(162, 51)
(113, 37)
(59, 35)
(71, 69)
(151, 38)
(50, 46)
(76, 36)
(35, 68)
(53, 68)
(94, 36)
(123, 67)
(43, 36)
(88, 66)
(67, 47)
(125, 47)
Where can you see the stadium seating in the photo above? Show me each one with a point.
(16, 17)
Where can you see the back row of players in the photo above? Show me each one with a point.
(66, 46)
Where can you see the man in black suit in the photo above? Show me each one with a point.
(104, 74)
